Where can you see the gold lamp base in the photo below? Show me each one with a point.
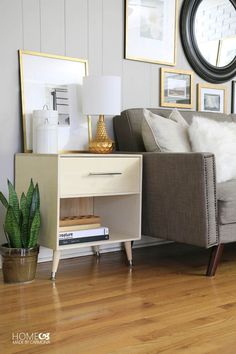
(101, 144)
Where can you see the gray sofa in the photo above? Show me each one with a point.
(181, 200)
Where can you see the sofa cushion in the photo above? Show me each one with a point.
(226, 195)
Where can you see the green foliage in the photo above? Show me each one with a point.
(22, 222)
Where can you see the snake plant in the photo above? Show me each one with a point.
(22, 221)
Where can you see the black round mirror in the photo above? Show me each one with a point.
(208, 33)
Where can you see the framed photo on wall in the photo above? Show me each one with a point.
(176, 88)
(233, 106)
(150, 30)
(211, 98)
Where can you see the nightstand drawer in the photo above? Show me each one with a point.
(99, 176)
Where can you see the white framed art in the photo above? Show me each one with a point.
(55, 82)
(150, 30)
(211, 98)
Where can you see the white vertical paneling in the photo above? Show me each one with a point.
(154, 86)
(91, 29)
(136, 84)
(53, 26)
(112, 37)
(10, 117)
(31, 24)
(95, 40)
(76, 15)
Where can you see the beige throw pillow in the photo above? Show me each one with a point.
(163, 134)
(177, 117)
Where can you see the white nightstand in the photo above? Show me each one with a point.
(78, 184)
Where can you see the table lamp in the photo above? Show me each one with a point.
(101, 96)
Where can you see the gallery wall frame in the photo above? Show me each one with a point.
(212, 98)
(42, 77)
(233, 99)
(176, 88)
(149, 26)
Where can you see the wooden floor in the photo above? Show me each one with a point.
(165, 305)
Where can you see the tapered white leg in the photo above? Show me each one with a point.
(96, 251)
(128, 250)
(55, 262)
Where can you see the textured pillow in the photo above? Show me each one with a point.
(163, 134)
(218, 138)
(177, 117)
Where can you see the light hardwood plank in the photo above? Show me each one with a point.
(165, 305)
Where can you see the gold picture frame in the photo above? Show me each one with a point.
(176, 88)
(39, 72)
(212, 98)
(146, 34)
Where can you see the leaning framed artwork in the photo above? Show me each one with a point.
(176, 88)
(150, 30)
(211, 98)
(233, 104)
(54, 82)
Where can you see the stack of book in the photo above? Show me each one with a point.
(85, 228)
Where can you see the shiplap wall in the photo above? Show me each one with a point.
(91, 29)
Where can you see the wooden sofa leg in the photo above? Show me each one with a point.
(216, 253)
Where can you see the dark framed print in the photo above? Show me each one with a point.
(233, 105)
(176, 88)
(211, 98)
(149, 26)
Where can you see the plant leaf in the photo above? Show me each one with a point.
(12, 228)
(25, 219)
(30, 193)
(35, 204)
(13, 201)
(3, 200)
(6, 235)
(34, 230)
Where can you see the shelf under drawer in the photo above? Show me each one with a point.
(114, 238)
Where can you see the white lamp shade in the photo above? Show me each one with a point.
(101, 95)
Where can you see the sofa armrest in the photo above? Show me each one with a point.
(179, 198)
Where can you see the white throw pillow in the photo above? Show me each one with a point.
(219, 138)
(163, 134)
(178, 118)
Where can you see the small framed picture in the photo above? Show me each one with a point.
(233, 107)
(149, 26)
(211, 98)
(176, 88)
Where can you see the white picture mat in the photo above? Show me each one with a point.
(39, 72)
(152, 49)
(176, 85)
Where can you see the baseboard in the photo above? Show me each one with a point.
(45, 254)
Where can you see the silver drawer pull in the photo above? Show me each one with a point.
(105, 173)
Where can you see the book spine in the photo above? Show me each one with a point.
(84, 233)
(78, 227)
(71, 241)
